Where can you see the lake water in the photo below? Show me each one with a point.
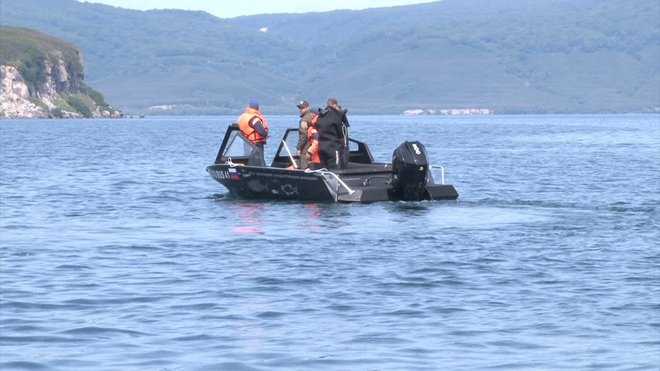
(119, 252)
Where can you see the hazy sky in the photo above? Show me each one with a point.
(235, 8)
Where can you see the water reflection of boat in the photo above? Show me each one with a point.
(240, 167)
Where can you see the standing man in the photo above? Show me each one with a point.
(333, 136)
(306, 116)
(255, 128)
(344, 154)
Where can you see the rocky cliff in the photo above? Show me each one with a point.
(42, 77)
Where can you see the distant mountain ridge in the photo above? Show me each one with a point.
(549, 56)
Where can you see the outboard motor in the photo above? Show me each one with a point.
(410, 167)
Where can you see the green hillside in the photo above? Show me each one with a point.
(27, 50)
(41, 60)
(506, 55)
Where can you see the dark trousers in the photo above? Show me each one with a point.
(343, 157)
(257, 156)
(328, 159)
(303, 157)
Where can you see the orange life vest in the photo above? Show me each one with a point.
(246, 125)
(313, 138)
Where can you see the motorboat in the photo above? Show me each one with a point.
(240, 167)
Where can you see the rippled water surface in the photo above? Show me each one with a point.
(118, 251)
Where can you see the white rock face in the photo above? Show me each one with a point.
(63, 75)
(14, 96)
(17, 102)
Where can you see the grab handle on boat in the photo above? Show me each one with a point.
(324, 172)
(295, 166)
(442, 173)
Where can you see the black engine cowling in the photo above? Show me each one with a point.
(410, 166)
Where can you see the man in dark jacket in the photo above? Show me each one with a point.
(306, 116)
(332, 126)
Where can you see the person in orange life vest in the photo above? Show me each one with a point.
(313, 160)
(254, 126)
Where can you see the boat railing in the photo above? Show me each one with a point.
(283, 156)
(325, 173)
(442, 172)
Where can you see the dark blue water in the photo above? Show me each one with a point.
(119, 252)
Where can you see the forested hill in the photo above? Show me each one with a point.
(42, 76)
(509, 56)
